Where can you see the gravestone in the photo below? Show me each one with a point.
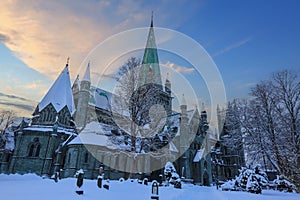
(79, 182)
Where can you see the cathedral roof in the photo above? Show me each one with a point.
(60, 93)
(199, 155)
(93, 134)
(100, 98)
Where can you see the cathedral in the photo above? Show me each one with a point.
(73, 128)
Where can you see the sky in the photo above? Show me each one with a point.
(247, 40)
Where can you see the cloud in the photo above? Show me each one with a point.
(246, 85)
(178, 68)
(18, 106)
(4, 38)
(233, 46)
(44, 33)
(13, 97)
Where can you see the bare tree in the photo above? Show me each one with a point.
(133, 108)
(6, 118)
(286, 85)
(270, 124)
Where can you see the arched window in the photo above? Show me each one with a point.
(31, 149)
(46, 115)
(50, 117)
(37, 151)
(229, 173)
(69, 158)
(86, 157)
(205, 164)
(41, 117)
(34, 148)
(66, 120)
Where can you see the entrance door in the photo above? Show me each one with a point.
(206, 179)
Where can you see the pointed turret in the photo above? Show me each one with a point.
(168, 84)
(183, 101)
(76, 85)
(60, 93)
(183, 110)
(76, 89)
(169, 95)
(86, 76)
(203, 113)
(150, 71)
(83, 99)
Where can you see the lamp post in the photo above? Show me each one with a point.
(154, 192)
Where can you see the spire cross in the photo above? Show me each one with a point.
(152, 15)
(151, 19)
(168, 76)
(203, 107)
(68, 59)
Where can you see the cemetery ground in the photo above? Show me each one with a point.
(30, 186)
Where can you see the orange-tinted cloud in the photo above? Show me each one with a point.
(44, 33)
(178, 68)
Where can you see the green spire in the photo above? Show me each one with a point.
(150, 71)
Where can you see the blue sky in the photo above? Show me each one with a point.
(248, 40)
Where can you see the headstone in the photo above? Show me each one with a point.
(160, 180)
(79, 192)
(56, 176)
(105, 186)
(140, 179)
(177, 184)
(121, 179)
(79, 182)
(99, 181)
(145, 181)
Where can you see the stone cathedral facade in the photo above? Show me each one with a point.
(72, 128)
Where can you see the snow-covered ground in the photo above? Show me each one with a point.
(17, 187)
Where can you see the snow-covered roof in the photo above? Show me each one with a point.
(100, 98)
(198, 155)
(175, 119)
(60, 94)
(172, 147)
(93, 134)
(191, 114)
(49, 129)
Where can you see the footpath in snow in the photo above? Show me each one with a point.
(17, 187)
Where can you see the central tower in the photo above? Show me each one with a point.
(150, 91)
